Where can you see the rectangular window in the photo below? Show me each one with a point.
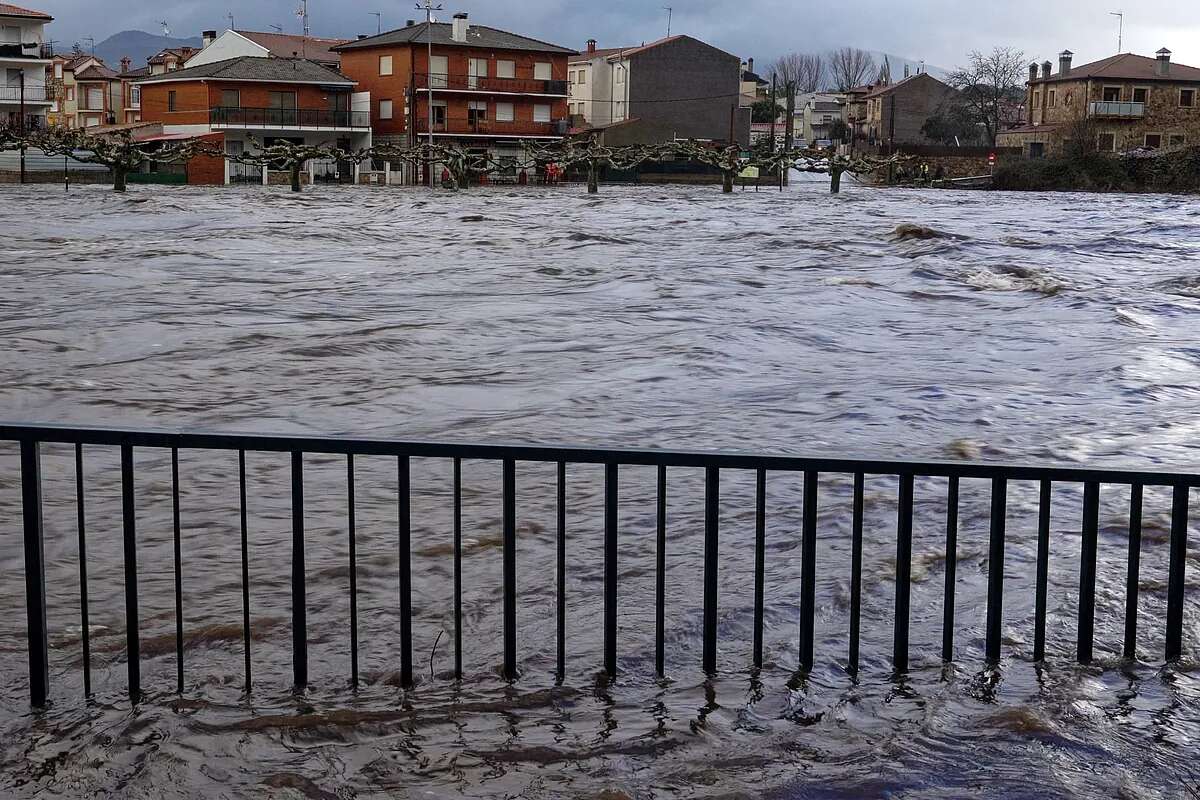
(621, 79)
(541, 71)
(1140, 93)
(1154, 140)
(58, 71)
(70, 93)
(171, 100)
(1112, 94)
(385, 65)
(1187, 98)
(135, 96)
(439, 113)
(1037, 149)
(95, 98)
(571, 77)
(439, 69)
(1052, 98)
(476, 112)
(506, 69)
(541, 113)
(1106, 142)
(504, 112)
(477, 71)
(231, 98)
(385, 109)
(10, 34)
(1037, 99)
(1177, 140)
(583, 77)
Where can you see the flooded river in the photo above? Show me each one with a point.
(1032, 328)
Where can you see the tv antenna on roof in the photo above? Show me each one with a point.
(302, 13)
(91, 43)
(1120, 15)
(378, 22)
(229, 16)
(276, 28)
(670, 11)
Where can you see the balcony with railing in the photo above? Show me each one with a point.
(26, 51)
(33, 94)
(490, 128)
(1116, 110)
(486, 85)
(288, 118)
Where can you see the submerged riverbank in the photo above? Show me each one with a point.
(1019, 327)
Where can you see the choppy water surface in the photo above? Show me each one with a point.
(1043, 328)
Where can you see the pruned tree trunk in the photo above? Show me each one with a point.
(296, 176)
(593, 177)
(119, 178)
(727, 181)
(835, 180)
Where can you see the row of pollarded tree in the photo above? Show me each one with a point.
(123, 154)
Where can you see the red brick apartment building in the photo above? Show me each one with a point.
(491, 88)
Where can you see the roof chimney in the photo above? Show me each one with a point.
(207, 38)
(126, 63)
(459, 30)
(591, 45)
(750, 65)
(1033, 72)
(1046, 65)
(1164, 62)
(1064, 63)
(362, 36)
(410, 23)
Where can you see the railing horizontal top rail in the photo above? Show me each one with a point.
(335, 445)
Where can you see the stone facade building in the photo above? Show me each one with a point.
(1120, 103)
(897, 112)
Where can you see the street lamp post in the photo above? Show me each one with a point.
(21, 124)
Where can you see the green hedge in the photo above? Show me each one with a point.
(1173, 171)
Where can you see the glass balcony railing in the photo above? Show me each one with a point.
(1111, 108)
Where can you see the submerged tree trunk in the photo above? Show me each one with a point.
(296, 176)
(593, 178)
(119, 178)
(727, 181)
(835, 180)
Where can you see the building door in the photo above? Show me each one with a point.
(477, 72)
(281, 108)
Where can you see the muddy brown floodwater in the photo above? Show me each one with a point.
(1038, 328)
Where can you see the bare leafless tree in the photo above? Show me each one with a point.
(849, 67)
(991, 86)
(797, 73)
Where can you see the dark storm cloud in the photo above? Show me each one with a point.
(938, 31)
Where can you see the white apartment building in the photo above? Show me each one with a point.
(23, 62)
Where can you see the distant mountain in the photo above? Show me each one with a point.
(138, 45)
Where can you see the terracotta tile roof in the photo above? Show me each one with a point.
(182, 53)
(284, 45)
(254, 68)
(477, 36)
(889, 88)
(95, 72)
(1126, 66)
(9, 10)
(602, 52)
(140, 72)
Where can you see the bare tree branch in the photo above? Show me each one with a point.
(991, 87)
(849, 67)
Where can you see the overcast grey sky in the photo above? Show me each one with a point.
(938, 31)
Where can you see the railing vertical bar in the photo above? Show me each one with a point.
(951, 569)
(712, 510)
(660, 574)
(299, 589)
(903, 574)
(1133, 570)
(178, 570)
(856, 542)
(995, 601)
(760, 558)
(611, 476)
(129, 525)
(1175, 574)
(245, 568)
(510, 569)
(1087, 572)
(84, 615)
(560, 569)
(1043, 572)
(458, 660)
(808, 571)
(352, 536)
(404, 553)
(35, 573)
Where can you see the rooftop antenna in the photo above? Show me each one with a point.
(378, 22)
(670, 11)
(1120, 15)
(302, 13)
(276, 28)
(229, 16)
(91, 43)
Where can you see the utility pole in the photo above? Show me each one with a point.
(1120, 15)
(378, 22)
(429, 9)
(774, 114)
(21, 124)
(670, 11)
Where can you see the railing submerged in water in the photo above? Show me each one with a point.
(30, 437)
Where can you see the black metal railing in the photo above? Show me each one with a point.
(31, 437)
(492, 85)
(235, 117)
